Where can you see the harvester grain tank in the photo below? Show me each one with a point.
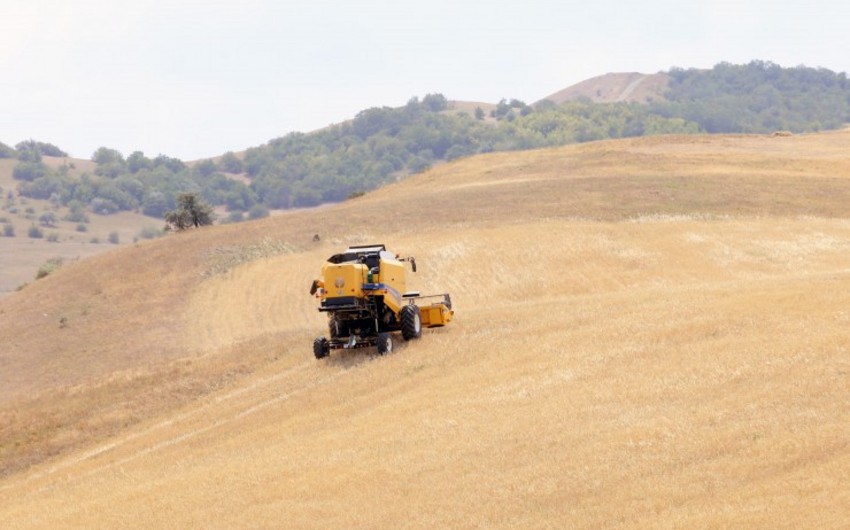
(364, 293)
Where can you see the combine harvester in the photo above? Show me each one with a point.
(363, 291)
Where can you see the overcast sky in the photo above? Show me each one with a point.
(196, 78)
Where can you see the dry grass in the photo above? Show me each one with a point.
(610, 88)
(618, 359)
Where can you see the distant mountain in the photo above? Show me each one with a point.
(615, 88)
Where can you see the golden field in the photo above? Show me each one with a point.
(649, 333)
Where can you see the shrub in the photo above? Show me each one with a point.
(150, 232)
(53, 237)
(8, 230)
(235, 216)
(82, 227)
(113, 238)
(47, 219)
(258, 211)
(102, 206)
(48, 267)
(29, 171)
(35, 232)
(76, 213)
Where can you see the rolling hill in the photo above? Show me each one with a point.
(22, 255)
(649, 333)
(383, 145)
(616, 87)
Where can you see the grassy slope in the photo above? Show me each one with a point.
(649, 333)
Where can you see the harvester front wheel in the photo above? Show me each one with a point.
(385, 343)
(321, 347)
(411, 322)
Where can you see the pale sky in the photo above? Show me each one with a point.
(193, 79)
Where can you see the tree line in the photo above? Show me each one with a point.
(758, 97)
(383, 144)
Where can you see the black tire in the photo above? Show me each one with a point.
(384, 343)
(321, 347)
(411, 322)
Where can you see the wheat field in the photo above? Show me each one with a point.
(649, 333)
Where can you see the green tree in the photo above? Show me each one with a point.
(6, 151)
(42, 148)
(137, 161)
(102, 206)
(105, 155)
(501, 110)
(45, 188)
(28, 152)
(156, 204)
(175, 165)
(110, 163)
(435, 102)
(205, 168)
(230, 163)
(191, 211)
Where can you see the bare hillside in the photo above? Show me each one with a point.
(648, 333)
(611, 88)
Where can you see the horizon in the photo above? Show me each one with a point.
(193, 81)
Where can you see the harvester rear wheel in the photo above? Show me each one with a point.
(321, 347)
(385, 343)
(411, 322)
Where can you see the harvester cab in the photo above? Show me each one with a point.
(364, 293)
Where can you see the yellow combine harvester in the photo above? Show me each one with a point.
(363, 291)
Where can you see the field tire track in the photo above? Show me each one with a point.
(183, 417)
(627, 92)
